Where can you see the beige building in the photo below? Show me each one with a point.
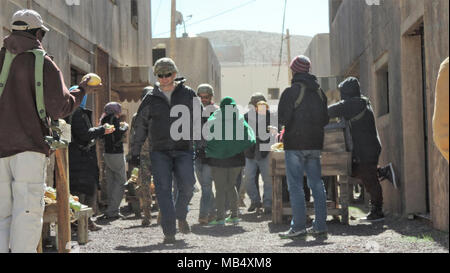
(318, 52)
(250, 62)
(109, 37)
(241, 81)
(195, 59)
(395, 49)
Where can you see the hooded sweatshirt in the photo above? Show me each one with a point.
(21, 129)
(366, 143)
(235, 136)
(305, 123)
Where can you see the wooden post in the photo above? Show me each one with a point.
(288, 38)
(277, 199)
(62, 198)
(344, 197)
(173, 31)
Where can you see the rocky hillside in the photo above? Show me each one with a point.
(253, 47)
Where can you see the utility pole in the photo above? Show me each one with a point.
(173, 31)
(288, 38)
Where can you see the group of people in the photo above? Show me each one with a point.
(230, 154)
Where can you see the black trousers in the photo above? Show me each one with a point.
(367, 173)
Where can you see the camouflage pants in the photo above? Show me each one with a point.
(143, 187)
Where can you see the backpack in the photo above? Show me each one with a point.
(53, 141)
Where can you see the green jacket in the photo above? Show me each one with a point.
(235, 135)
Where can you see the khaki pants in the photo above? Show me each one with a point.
(22, 187)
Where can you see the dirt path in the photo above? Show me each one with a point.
(257, 234)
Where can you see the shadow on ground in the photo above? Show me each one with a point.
(217, 231)
(179, 245)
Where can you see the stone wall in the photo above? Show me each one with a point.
(370, 41)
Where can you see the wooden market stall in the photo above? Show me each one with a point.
(336, 161)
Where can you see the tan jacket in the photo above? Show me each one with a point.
(21, 130)
(441, 112)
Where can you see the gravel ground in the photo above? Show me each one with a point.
(256, 234)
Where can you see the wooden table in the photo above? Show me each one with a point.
(336, 161)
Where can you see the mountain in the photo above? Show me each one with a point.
(253, 47)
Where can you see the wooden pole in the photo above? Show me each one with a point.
(62, 199)
(173, 31)
(288, 38)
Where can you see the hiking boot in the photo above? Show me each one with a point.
(183, 227)
(217, 223)
(254, 206)
(203, 220)
(292, 234)
(387, 173)
(169, 239)
(146, 222)
(375, 215)
(232, 220)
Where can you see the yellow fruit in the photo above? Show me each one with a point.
(109, 126)
(95, 79)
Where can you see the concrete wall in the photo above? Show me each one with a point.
(196, 61)
(319, 53)
(365, 39)
(240, 82)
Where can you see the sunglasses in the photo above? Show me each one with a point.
(204, 97)
(162, 76)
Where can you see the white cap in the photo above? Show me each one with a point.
(30, 17)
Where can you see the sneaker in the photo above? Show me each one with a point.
(211, 218)
(292, 234)
(314, 232)
(183, 226)
(375, 215)
(254, 206)
(217, 223)
(232, 220)
(169, 239)
(203, 220)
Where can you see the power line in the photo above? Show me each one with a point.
(282, 39)
(214, 16)
(157, 13)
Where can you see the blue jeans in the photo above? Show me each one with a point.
(298, 163)
(165, 165)
(251, 168)
(204, 177)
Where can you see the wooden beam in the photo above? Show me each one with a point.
(62, 198)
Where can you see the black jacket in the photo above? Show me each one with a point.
(83, 168)
(155, 107)
(305, 123)
(366, 143)
(114, 141)
(254, 122)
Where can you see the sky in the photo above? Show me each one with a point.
(303, 17)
